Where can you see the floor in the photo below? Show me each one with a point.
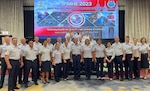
(88, 85)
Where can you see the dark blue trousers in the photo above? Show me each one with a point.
(57, 69)
(66, 68)
(110, 68)
(118, 64)
(3, 71)
(20, 73)
(88, 67)
(12, 78)
(99, 67)
(136, 67)
(28, 65)
(76, 65)
(128, 66)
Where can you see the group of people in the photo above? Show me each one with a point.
(19, 59)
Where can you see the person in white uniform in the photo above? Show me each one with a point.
(3, 49)
(45, 56)
(31, 62)
(145, 58)
(137, 61)
(57, 57)
(119, 58)
(86, 36)
(66, 61)
(87, 55)
(128, 63)
(22, 47)
(37, 45)
(110, 55)
(13, 60)
(69, 33)
(76, 58)
(99, 57)
(49, 44)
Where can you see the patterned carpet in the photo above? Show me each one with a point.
(87, 85)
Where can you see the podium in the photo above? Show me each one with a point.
(2, 36)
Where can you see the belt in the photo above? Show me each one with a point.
(118, 55)
(144, 53)
(14, 59)
(76, 54)
(31, 60)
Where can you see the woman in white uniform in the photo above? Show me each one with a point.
(99, 57)
(144, 49)
(87, 54)
(45, 55)
(66, 61)
(57, 56)
(110, 55)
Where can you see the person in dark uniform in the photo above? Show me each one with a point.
(128, 63)
(31, 62)
(87, 55)
(119, 58)
(76, 58)
(57, 57)
(110, 55)
(144, 49)
(99, 57)
(13, 60)
(45, 55)
(3, 49)
(137, 61)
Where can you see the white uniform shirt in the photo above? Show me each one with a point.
(99, 49)
(87, 51)
(30, 53)
(136, 49)
(76, 49)
(60, 46)
(66, 52)
(118, 48)
(86, 37)
(57, 54)
(3, 49)
(92, 42)
(76, 35)
(13, 52)
(128, 47)
(144, 48)
(68, 35)
(110, 52)
(22, 48)
(45, 53)
(51, 46)
(37, 45)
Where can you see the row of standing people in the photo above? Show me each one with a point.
(125, 54)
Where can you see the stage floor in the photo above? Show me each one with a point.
(87, 85)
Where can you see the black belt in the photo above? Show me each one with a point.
(14, 60)
(31, 60)
(144, 53)
(118, 55)
(76, 54)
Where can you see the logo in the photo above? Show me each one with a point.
(111, 4)
(76, 19)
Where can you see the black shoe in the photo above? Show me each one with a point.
(11, 90)
(16, 88)
(121, 79)
(1, 87)
(26, 86)
(20, 82)
(36, 83)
